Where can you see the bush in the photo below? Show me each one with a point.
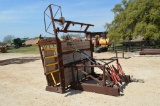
(18, 42)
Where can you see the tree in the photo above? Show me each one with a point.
(135, 18)
(8, 38)
(18, 42)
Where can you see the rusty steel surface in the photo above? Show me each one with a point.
(56, 41)
(113, 91)
(150, 52)
(128, 78)
(65, 24)
(60, 59)
(78, 66)
(55, 89)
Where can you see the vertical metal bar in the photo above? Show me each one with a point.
(61, 67)
(91, 47)
(84, 68)
(141, 45)
(73, 75)
(59, 51)
(52, 18)
(77, 74)
(115, 47)
(41, 54)
(129, 45)
(116, 54)
(104, 76)
(123, 53)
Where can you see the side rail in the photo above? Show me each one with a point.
(48, 52)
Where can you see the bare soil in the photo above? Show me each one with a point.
(23, 83)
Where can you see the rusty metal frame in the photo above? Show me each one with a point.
(58, 43)
(67, 23)
(102, 88)
(96, 88)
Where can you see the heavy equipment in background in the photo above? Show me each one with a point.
(3, 48)
(100, 41)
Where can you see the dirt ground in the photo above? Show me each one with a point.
(23, 84)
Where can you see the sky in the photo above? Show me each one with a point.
(25, 18)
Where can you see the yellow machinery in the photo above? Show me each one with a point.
(3, 48)
(101, 41)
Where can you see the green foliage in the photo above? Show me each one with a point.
(135, 18)
(18, 42)
(27, 50)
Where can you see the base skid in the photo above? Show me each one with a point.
(55, 89)
(128, 79)
(114, 91)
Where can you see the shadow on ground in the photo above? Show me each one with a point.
(71, 92)
(20, 60)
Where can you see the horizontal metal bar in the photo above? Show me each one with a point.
(78, 65)
(106, 63)
(75, 62)
(114, 91)
(48, 57)
(52, 72)
(49, 49)
(51, 64)
(107, 59)
(67, 52)
(72, 31)
(109, 62)
(90, 76)
(74, 22)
